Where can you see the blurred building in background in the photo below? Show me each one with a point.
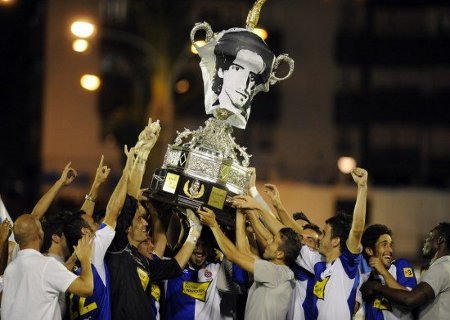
(371, 87)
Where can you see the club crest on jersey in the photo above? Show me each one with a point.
(208, 274)
(408, 272)
(195, 190)
(156, 292)
(381, 303)
(143, 276)
(319, 287)
(196, 290)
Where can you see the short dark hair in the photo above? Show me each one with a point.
(53, 224)
(371, 236)
(73, 233)
(126, 215)
(443, 230)
(313, 227)
(340, 228)
(291, 245)
(300, 216)
(228, 47)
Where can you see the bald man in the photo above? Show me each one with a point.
(32, 282)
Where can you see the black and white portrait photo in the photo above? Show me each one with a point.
(242, 65)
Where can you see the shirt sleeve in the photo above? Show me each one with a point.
(265, 272)
(124, 220)
(308, 258)
(350, 262)
(405, 274)
(270, 274)
(57, 277)
(437, 277)
(239, 275)
(103, 238)
(164, 269)
(364, 278)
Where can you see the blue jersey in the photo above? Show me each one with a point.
(97, 306)
(335, 283)
(193, 295)
(155, 291)
(381, 308)
(302, 298)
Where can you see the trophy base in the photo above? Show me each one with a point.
(178, 189)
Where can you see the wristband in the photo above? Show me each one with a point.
(253, 191)
(88, 197)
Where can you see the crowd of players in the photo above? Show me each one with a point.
(274, 265)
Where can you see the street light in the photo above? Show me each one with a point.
(199, 43)
(182, 86)
(346, 164)
(82, 29)
(90, 82)
(262, 33)
(80, 45)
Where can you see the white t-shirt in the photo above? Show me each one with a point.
(32, 283)
(62, 295)
(269, 297)
(438, 277)
(103, 238)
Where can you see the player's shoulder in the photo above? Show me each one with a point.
(404, 268)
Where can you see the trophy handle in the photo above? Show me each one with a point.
(282, 57)
(201, 26)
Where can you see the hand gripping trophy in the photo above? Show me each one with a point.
(205, 167)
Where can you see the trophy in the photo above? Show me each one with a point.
(206, 167)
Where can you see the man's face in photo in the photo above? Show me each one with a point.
(239, 80)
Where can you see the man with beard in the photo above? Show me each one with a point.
(270, 295)
(377, 250)
(336, 279)
(132, 274)
(432, 294)
(33, 282)
(193, 294)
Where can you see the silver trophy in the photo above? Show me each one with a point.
(206, 167)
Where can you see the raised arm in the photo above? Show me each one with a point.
(83, 285)
(159, 233)
(100, 177)
(253, 191)
(286, 218)
(5, 232)
(245, 261)
(146, 142)
(185, 252)
(263, 236)
(247, 202)
(67, 176)
(117, 198)
(242, 243)
(359, 214)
